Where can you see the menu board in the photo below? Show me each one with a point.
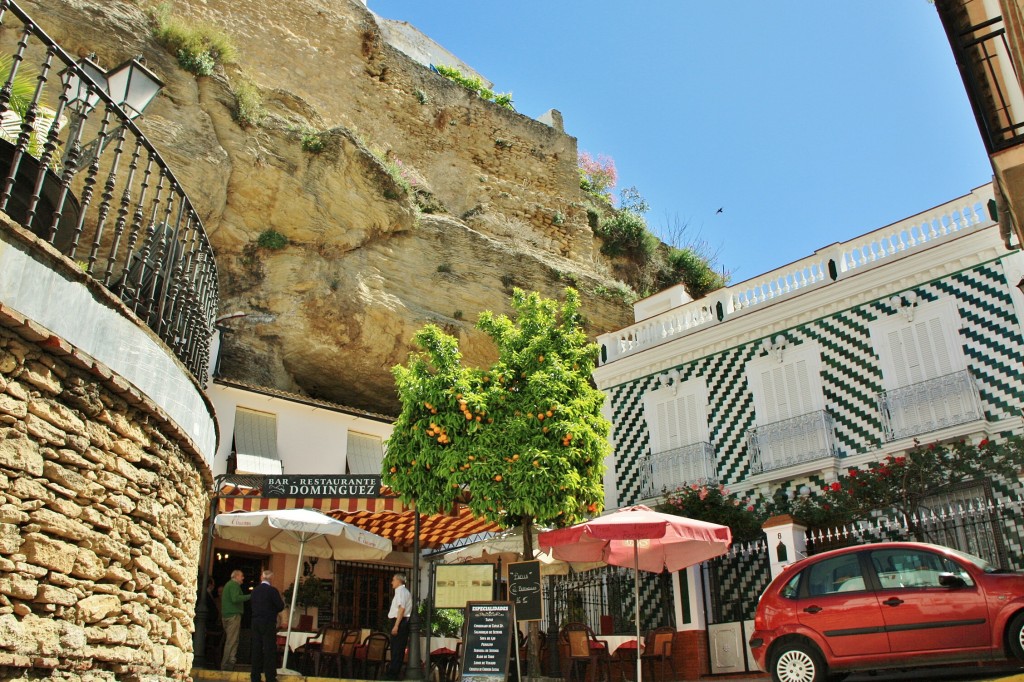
(524, 590)
(488, 631)
(459, 584)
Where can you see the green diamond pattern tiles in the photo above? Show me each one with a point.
(850, 376)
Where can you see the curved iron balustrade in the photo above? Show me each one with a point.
(91, 184)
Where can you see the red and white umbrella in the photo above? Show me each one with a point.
(641, 538)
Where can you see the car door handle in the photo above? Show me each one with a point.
(812, 609)
(893, 601)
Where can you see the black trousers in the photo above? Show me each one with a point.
(398, 644)
(264, 649)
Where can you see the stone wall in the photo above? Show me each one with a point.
(101, 519)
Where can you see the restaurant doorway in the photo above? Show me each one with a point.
(251, 565)
(362, 594)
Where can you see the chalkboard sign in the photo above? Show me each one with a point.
(524, 590)
(488, 630)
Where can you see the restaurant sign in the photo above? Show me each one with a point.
(312, 485)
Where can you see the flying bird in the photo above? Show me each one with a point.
(720, 210)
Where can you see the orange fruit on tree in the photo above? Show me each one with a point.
(497, 477)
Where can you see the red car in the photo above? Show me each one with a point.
(886, 605)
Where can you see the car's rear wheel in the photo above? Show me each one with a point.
(1015, 636)
(797, 662)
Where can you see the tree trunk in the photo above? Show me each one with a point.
(533, 630)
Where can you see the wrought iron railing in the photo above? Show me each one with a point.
(930, 405)
(983, 56)
(92, 185)
(968, 518)
(807, 438)
(665, 471)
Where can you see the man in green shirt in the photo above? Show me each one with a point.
(231, 606)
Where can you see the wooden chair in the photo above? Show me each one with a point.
(658, 650)
(329, 650)
(587, 655)
(306, 652)
(348, 650)
(377, 646)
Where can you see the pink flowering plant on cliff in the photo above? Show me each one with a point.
(597, 175)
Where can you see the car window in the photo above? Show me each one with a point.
(902, 568)
(790, 589)
(836, 574)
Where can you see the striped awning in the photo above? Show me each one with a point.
(386, 516)
(435, 531)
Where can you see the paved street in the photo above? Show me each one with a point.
(1001, 674)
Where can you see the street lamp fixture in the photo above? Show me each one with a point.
(130, 85)
(83, 95)
(133, 87)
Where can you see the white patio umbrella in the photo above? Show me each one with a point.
(508, 546)
(304, 532)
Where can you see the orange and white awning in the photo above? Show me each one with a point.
(386, 516)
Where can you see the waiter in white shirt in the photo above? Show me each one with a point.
(401, 611)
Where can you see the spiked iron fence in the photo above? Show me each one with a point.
(968, 520)
(77, 171)
(734, 581)
(597, 596)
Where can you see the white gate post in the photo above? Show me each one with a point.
(787, 542)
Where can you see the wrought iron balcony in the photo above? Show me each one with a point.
(930, 405)
(674, 468)
(807, 438)
(77, 172)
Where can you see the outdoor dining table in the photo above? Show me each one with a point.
(616, 642)
(297, 638)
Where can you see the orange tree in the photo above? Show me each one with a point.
(522, 442)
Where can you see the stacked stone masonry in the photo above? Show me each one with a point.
(101, 513)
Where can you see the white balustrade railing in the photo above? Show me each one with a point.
(826, 266)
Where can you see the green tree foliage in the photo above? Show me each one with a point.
(715, 504)
(522, 441)
(525, 436)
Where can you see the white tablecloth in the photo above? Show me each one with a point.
(615, 641)
(440, 643)
(297, 639)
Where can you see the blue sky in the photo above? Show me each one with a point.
(807, 121)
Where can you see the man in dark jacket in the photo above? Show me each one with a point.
(265, 603)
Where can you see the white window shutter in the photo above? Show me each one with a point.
(364, 454)
(787, 389)
(926, 348)
(677, 418)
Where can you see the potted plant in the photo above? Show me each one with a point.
(311, 594)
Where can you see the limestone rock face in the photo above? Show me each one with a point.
(494, 201)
